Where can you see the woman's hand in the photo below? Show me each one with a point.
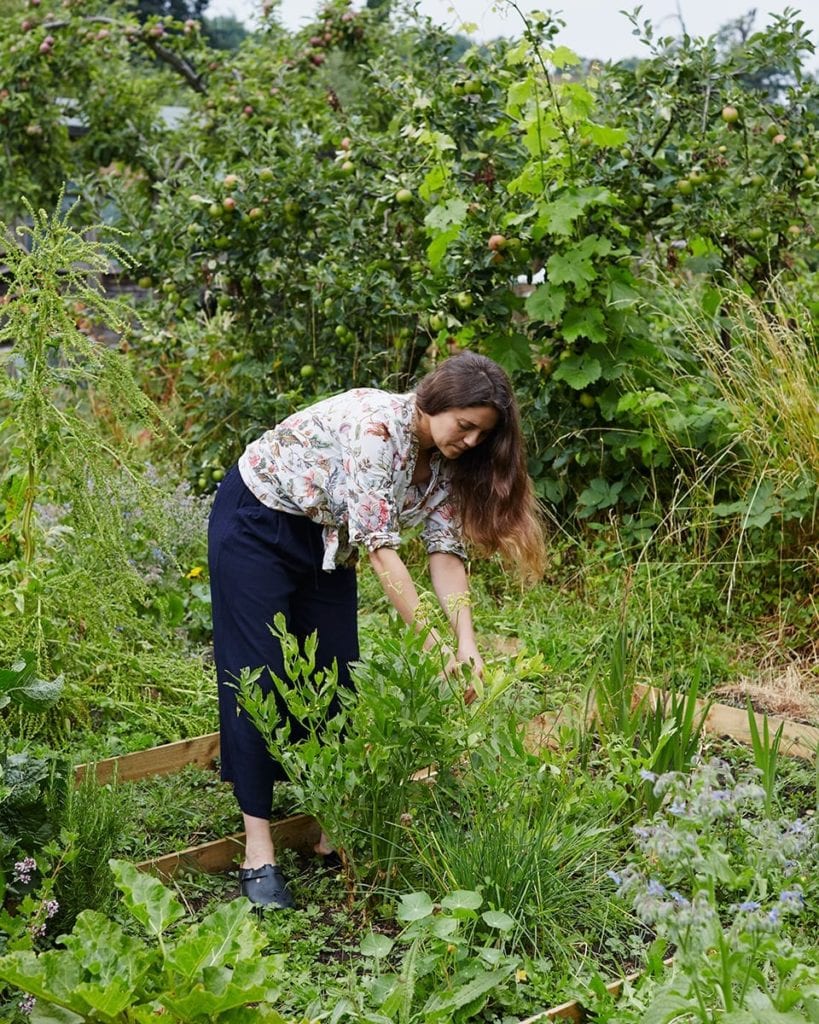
(460, 665)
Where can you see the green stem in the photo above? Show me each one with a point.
(28, 514)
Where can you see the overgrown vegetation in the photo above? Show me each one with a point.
(636, 245)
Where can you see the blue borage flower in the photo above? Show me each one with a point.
(655, 888)
(748, 906)
(617, 879)
(648, 776)
(792, 898)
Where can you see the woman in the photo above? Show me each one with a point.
(352, 470)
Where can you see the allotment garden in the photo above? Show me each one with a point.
(197, 242)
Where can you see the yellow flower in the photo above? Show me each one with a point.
(521, 975)
(195, 572)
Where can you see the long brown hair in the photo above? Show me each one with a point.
(491, 487)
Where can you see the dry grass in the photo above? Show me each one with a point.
(786, 684)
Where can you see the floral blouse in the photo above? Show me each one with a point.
(347, 463)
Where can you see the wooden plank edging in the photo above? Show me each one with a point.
(170, 757)
(299, 832)
(798, 739)
(575, 1010)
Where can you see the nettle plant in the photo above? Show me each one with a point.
(721, 884)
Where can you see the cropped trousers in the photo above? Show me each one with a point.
(261, 562)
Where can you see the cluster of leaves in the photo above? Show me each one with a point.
(418, 789)
(344, 202)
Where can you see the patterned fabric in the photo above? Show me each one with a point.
(347, 463)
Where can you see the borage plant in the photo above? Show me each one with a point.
(722, 884)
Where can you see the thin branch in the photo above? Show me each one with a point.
(179, 64)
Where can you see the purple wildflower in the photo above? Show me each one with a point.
(27, 1005)
(23, 869)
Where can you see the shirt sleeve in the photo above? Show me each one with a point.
(442, 531)
(372, 483)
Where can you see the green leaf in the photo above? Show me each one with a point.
(146, 897)
(498, 919)
(434, 181)
(107, 1000)
(462, 899)
(603, 135)
(443, 926)
(546, 303)
(519, 94)
(511, 351)
(584, 322)
(578, 371)
(221, 989)
(444, 215)
(665, 1007)
(598, 495)
(436, 250)
(563, 57)
(48, 1013)
(52, 976)
(106, 952)
(375, 945)
(440, 1005)
(558, 216)
(414, 906)
(21, 685)
(228, 934)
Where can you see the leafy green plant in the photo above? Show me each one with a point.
(718, 883)
(643, 735)
(452, 959)
(209, 971)
(72, 470)
(367, 767)
(533, 840)
(25, 774)
(90, 818)
(766, 754)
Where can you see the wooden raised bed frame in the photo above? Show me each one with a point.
(301, 831)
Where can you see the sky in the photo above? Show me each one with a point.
(594, 28)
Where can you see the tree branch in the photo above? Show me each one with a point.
(177, 63)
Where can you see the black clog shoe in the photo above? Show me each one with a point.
(265, 886)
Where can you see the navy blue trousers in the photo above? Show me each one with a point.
(262, 562)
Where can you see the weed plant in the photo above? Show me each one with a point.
(73, 482)
(737, 404)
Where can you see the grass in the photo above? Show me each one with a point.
(187, 808)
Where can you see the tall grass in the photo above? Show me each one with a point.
(759, 359)
(533, 842)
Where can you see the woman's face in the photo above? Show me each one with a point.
(454, 431)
